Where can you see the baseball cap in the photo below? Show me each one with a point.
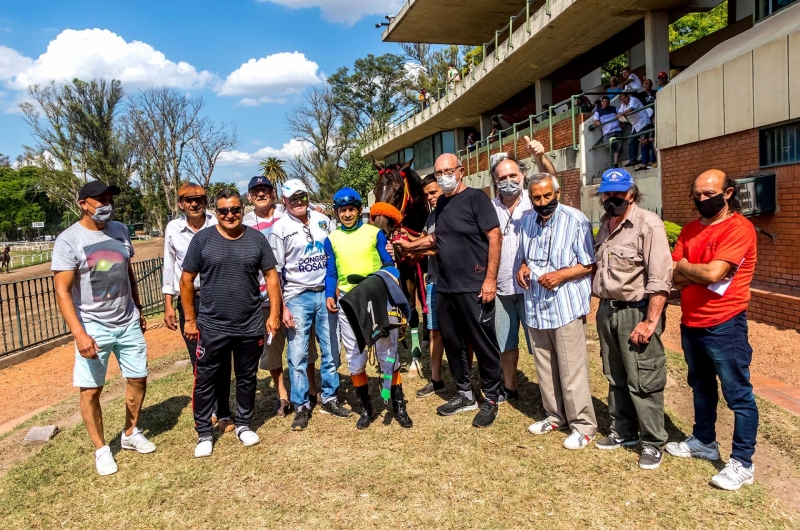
(662, 74)
(96, 188)
(259, 181)
(292, 186)
(615, 179)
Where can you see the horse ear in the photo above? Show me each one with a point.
(376, 164)
(407, 164)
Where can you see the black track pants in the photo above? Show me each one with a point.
(463, 317)
(213, 351)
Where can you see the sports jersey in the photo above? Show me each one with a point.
(300, 252)
(264, 225)
(359, 251)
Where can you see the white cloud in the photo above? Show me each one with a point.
(271, 78)
(345, 11)
(99, 53)
(256, 142)
(243, 158)
(12, 62)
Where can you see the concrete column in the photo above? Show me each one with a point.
(544, 93)
(486, 125)
(656, 42)
(591, 80)
(637, 56)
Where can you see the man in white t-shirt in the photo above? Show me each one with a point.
(605, 117)
(98, 297)
(634, 113)
(261, 193)
(298, 242)
(630, 81)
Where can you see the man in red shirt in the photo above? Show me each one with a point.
(714, 260)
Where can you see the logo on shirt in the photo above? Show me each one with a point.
(315, 247)
(108, 269)
(313, 263)
(324, 225)
(479, 269)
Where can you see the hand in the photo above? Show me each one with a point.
(273, 325)
(535, 147)
(331, 304)
(551, 280)
(169, 318)
(488, 290)
(86, 345)
(319, 208)
(401, 245)
(190, 330)
(524, 276)
(642, 332)
(390, 249)
(142, 322)
(287, 318)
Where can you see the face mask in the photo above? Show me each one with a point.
(509, 188)
(616, 206)
(548, 209)
(711, 207)
(448, 183)
(103, 214)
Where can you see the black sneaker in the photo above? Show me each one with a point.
(314, 399)
(631, 163)
(335, 409)
(457, 403)
(613, 441)
(300, 421)
(651, 458)
(485, 417)
(433, 387)
(507, 395)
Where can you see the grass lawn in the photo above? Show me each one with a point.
(442, 473)
(18, 255)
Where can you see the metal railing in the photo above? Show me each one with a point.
(614, 139)
(29, 314)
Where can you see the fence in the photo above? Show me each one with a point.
(29, 314)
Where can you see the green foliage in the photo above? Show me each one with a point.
(23, 201)
(272, 168)
(673, 231)
(613, 68)
(694, 26)
(215, 187)
(359, 173)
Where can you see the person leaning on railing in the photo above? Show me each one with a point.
(633, 112)
(606, 117)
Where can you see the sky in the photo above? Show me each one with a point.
(250, 60)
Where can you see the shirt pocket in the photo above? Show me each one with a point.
(621, 258)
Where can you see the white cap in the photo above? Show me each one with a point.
(292, 186)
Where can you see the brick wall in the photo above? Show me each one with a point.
(571, 187)
(776, 293)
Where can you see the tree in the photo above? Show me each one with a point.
(23, 201)
(4, 161)
(48, 119)
(272, 168)
(215, 187)
(205, 149)
(613, 68)
(358, 172)
(694, 26)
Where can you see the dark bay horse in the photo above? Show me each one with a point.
(400, 203)
(5, 259)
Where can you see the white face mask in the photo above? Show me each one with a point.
(448, 183)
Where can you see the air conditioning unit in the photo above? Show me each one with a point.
(758, 194)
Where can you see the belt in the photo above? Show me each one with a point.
(619, 304)
(315, 289)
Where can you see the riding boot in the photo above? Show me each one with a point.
(399, 407)
(365, 416)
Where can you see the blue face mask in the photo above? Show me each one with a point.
(509, 188)
(103, 214)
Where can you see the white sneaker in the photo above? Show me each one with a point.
(692, 447)
(104, 461)
(541, 427)
(137, 442)
(576, 440)
(204, 447)
(246, 436)
(734, 476)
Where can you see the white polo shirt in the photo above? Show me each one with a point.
(510, 255)
(177, 237)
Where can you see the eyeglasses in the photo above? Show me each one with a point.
(235, 210)
(309, 237)
(448, 172)
(299, 199)
(193, 198)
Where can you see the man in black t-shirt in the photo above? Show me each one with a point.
(467, 243)
(228, 257)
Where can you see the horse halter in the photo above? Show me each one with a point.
(406, 193)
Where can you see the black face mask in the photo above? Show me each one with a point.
(710, 207)
(548, 209)
(616, 206)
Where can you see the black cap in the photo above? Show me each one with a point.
(96, 188)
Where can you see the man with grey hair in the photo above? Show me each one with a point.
(467, 241)
(511, 205)
(557, 258)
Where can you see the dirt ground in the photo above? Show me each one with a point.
(152, 248)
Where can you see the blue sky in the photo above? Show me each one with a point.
(251, 60)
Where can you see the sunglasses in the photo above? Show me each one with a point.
(193, 198)
(235, 210)
(299, 199)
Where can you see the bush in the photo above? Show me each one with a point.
(673, 231)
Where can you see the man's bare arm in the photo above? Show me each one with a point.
(705, 273)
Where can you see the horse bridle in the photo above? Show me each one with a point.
(406, 194)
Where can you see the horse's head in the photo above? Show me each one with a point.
(397, 191)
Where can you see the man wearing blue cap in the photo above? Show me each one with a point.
(632, 280)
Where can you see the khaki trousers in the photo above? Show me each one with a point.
(562, 366)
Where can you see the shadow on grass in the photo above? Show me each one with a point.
(156, 419)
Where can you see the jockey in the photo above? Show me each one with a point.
(358, 248)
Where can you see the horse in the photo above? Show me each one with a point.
(400, 203)
(5, 259)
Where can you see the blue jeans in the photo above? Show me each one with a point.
(309, 308)
(648, 156)
(722, 351)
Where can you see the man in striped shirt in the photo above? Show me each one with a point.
(557, 250)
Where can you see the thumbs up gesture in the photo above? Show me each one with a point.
(535, 148)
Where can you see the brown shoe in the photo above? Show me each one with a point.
(282, 408)
(226, 425)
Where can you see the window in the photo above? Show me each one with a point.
(391, 159)
(423, 153)
(779, 145)
(766, 8)
(437, 145)
(409, 154)
(449, 142)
